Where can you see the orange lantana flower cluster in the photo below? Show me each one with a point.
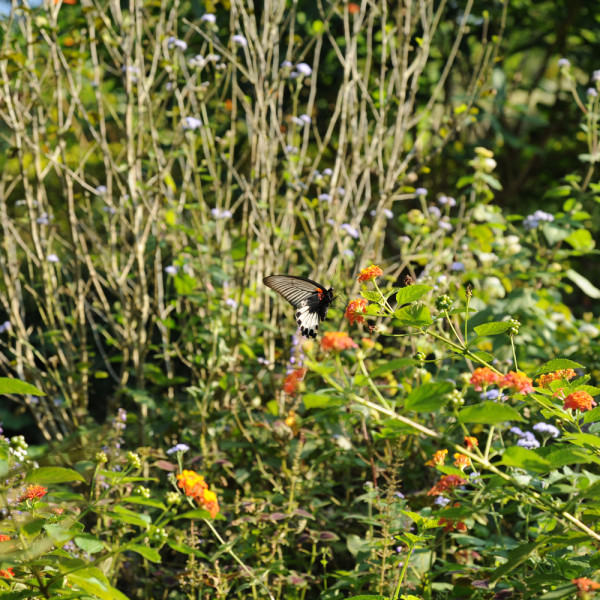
(545, 379)
(370, 273)
(517, 382)
(4, 537)
(471, 442)
(32, 492)
(446, 484)
(451, 525)
(579, 401)
(355, 310)
(337, 341)
(482, 377)
(585, 585)
(438, 458)
(292, 381)
(461, 461)
(7, 572)
(194, 486)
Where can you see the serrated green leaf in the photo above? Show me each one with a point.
(414, 315)
(591, 416)
(484, 356)
(583, 439)
(148, 553)
(523, 458)
(393, 365)
(488, 413)
(411, 293)
(491, 328)
(320, 400)
(93, 581)
(9, 385)
(53, 475)
(88, 543)
(568, 456)
(557, 364)
(371, 296)
(428, 397)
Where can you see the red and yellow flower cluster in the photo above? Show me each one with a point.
(355, 310)
(579, 401)
(516, 382)
(585, 585)
(33, 492)
(545, 379)
(8, 572)
(452, 525)
(194, 486)
(292, 381)
(370, 273)
(438, 458)
(471, 442)
(337, 341)
(446, 484)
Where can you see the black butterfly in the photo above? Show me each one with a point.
(310, 299)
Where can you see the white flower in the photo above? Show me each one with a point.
(52, 258)
(173, 42)
(101, 189)
(592, 92)
(231, 303)
(589, 330)
(286, 64)
(324, 197)
(304, 69)
(171, 270)
(209, 18)
(341, 191)
(328, 172)
(239, 39)
(421, 192)
(445, 225)
(564, 62)
(218, 213)
(596, 76)
(435, 213)
(348, 252)
(305, 119)
(291, 149)
(192, 123)
(197, 61)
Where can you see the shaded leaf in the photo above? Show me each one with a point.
(488, 413)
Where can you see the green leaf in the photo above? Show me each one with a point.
(9, 385)
(484, 356)
(410, 293)
(585, 285)
(146, 502)
(53, 475)
(356, 545)
(371, 296)
(428, 397)
(569, 456)
(368, 597)
(583, 439)
(491, 328)
(320, 400)
(150, 554)
(557, 364)
(414, 315)
(129, 516)
(591, 416)
(89, 543)
(93, 581)
(393, 365)
(185, 549)
(198, 513)
(516, 557)
(515, 456)
(580, 240)
(488, 413)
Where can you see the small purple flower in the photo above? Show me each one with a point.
(328, 172)
(52, 258)
(304, 69)
(592, 92)
(532, 221)
(43, 220)
(6, 326)
(173, 42)
(239, 39)
(435, 212)
(457, 266)
(291, 149)
(351, 231)
(421, 191)
(399, 495)
(564, 62)
(286, 64)
(231, 303)
(387, 213)
(547, 428)
(348, 252)
(261, 360)
(341, 192)
(305, 119)
(517, 431)
(209, 18)
(596, 76)
(445, 225)
(441, 501)
(528, 442)
(490, 395)
(218, 213)
(324, 197)
(178, 448)
(171, 270)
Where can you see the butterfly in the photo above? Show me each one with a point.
(310, 299)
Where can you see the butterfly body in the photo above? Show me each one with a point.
(310, 299)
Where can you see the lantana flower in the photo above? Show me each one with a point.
(517, 382)
(461, 461)
(355, 310)
(337, 341)
(482, 377)
(370, 273)
(585, 585)
(194, 486)
(471, 442)
(579, 401)
(545, 379)
(33, 492)
(438, 458)
(292, 381)
(445, 484)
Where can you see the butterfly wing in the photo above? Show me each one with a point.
(310, 299)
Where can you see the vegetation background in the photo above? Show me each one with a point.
(159, 159)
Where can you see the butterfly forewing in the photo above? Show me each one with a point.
(310, 299)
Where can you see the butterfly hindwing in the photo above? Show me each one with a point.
(310, 299)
